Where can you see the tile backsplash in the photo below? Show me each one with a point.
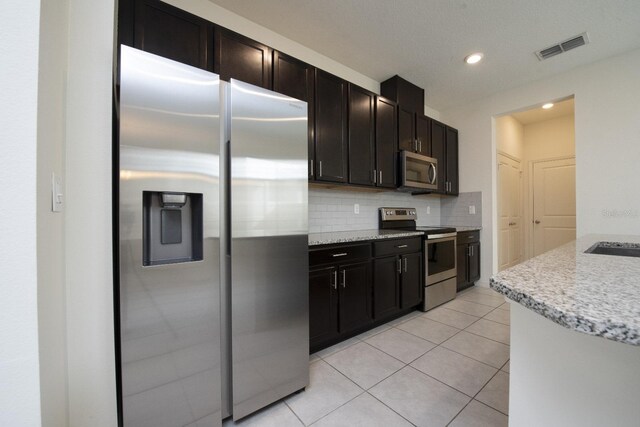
(455, 210)
(333, 210)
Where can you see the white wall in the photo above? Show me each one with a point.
(88, 231)
(50, 230)
(607, 108)
(510, 137)
(19, 378)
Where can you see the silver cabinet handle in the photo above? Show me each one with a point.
(380, 180)
(405, 264)
(419, 145)
(402, 246)
(340, 254)
(398, 262)
(311, 164)
(374, 176)
(335, 279)
(320, 167)
(344, 278)
(471, 247)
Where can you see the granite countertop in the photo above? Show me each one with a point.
(316, 239)
(593, 294)
(460, 228)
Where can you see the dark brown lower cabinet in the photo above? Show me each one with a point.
(468, 259)
(354, 296)
(339, 293)
(411, 279)
(323, 304)
(397, 276)
(386, 287)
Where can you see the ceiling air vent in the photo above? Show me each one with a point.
(556, 49)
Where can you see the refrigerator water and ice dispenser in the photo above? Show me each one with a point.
(172, 227)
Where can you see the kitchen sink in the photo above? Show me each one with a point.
(615, 248)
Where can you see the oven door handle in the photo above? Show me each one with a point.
(441, 236)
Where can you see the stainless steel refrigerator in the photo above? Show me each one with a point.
(212, 287)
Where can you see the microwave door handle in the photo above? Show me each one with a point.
(432, 179)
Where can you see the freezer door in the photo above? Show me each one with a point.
(269, 247)
(168, 291)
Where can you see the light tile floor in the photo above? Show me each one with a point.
(447, 367)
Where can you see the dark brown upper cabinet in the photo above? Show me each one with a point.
(452, 161)
(438, 151)
(167, 31)
(295, 78)
(444, 147)
(331, 139)
(406, 94)
(406, 129)
(386, 142)
(361, 136)
(239, 57)
(423, 135)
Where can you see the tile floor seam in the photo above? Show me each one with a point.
(496, 409)
(401, 330)
(400, 415)
(443, 383)
(490, 339)
(375, 348)
(451, 326)
(479, 303)
(331, 412)
(294, 412)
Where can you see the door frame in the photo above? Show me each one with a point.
(528, 218)
(522, 203)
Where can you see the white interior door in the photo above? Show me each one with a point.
(509, 212)
(554, 204)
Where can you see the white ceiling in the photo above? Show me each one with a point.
(425, 41)
(539, 114)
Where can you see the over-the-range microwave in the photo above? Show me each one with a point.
(418, 172)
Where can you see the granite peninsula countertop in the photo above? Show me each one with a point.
(317, 239)
(593, 294)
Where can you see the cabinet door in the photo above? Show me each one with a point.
(239, 57)
(386, 142)
(386, 289)
(423, 134)
(361, 136)
(438, 151)
(462, 260)
(167, 31)
(331, 128)
(323, 305)
(406, 129)
(411, 279)
(354, 286)
(452, 160)
(294, 78)
(474, 262)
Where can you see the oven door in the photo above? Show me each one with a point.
(418, 171)
(441, 258)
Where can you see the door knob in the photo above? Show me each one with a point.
(537, 221)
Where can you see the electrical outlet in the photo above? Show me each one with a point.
(472, 210)
(356, 208)
(428, 210)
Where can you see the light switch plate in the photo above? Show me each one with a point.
(57, 200)
(356, 208)
(472, 210)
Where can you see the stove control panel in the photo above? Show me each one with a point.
(398, 214)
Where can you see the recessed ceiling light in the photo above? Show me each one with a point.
(474, 58)
(547, 105)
